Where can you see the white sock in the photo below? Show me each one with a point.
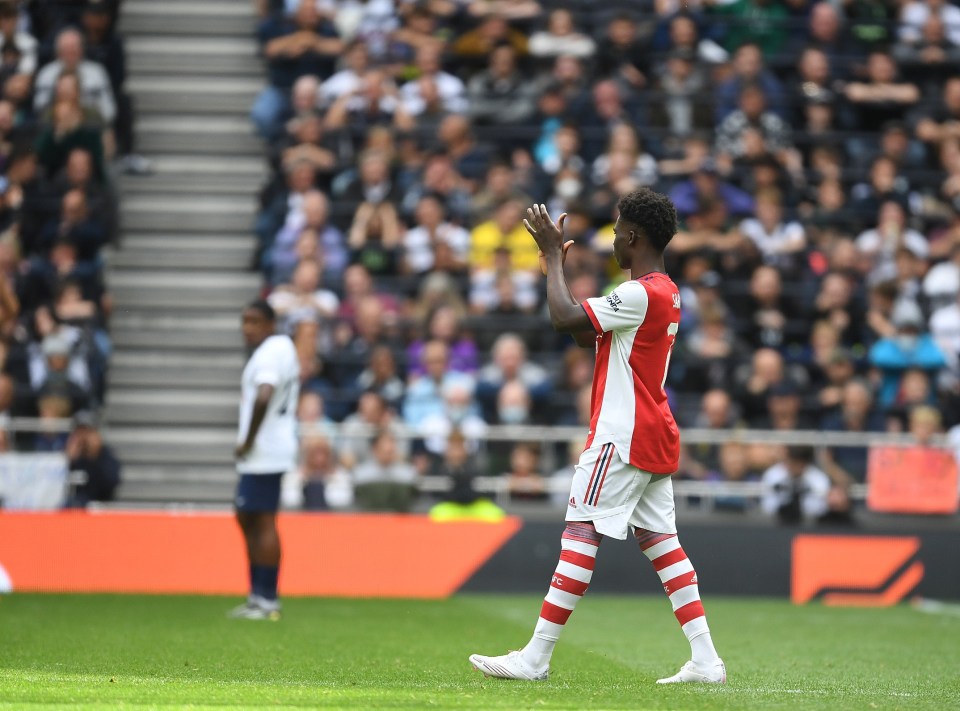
(702, 650)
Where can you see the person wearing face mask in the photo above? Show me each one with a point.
(909, 347)
(460, 415)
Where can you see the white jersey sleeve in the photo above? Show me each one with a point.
(623, 308)
(274, 363)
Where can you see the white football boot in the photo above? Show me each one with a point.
(690, 672)
(508, 666)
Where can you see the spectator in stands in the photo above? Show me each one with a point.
(780, 243)
(561, 36)
(480, 41)
(768, 318)
(430, 229)
(11, 35)
(384, 482)
(881, 244)
(785, 409)
(932, 58)
(795, 490)
(450, 90)
(941, 122)
(308, 213)
(753, 21)
(917, 13)
(910, 347)
(509, 362)
(752, 115)
(355, 63)
(460, 416)
(96, 92)
(382, 377)
(303, 307)
(717, 412)
(621, 54)
(766, 371)
(882, 97)
(682, 81)
(65, 132)
(501, 289)
(374, 414)
(443, 324)
(100, 468)
(325, 485)
(749, 70)
(294, 46)
(58, 365)
(504, 230)
(76, 225)
(711, 350)
(524, 480)
(375, 102)
(847, 465)
(501, 94)
(375, 238)
(826, 33)
(704, 186)
(424, 396)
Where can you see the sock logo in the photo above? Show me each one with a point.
(557, 581)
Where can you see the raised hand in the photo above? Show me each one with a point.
(546, 233)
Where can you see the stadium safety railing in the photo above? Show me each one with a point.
(691, 493)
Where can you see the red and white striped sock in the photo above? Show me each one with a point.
(579, 545)
(680, 583)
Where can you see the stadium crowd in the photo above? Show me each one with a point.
(65, 127)
(812, 150)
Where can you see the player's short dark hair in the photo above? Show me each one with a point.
(262, 308)
(652, 213)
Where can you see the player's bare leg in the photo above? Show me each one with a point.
(579, 545)
(679, 581)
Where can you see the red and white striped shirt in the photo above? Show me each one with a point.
(636, 328)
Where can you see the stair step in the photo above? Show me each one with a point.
(148, 484)
(157, 368)
(190, 184)
(202, 446)
(194, 332)
(172, 257)
(172, 407)
(191, 291)
(193, 244)
(177, 55)
(190, 213)
(142, 17)
(161, 133)
(194, 95)
(187, 166)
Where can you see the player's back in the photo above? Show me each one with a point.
(273, 363)
(638, 324)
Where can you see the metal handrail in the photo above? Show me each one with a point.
(559, 434)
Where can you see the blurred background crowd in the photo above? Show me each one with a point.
(66, 128)
(812, 150)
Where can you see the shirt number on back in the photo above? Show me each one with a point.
(672, 331)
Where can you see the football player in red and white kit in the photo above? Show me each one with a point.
(622, 482)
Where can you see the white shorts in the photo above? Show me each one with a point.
(617, 496)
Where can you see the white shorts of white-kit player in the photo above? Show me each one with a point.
(618, 496)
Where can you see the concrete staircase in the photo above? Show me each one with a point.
(181, 274)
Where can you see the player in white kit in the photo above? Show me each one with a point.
(266, 448)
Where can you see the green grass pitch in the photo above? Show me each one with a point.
(96, 652)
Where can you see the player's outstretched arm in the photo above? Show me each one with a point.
(566, 315)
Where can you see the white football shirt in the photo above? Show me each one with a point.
(275, 449)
